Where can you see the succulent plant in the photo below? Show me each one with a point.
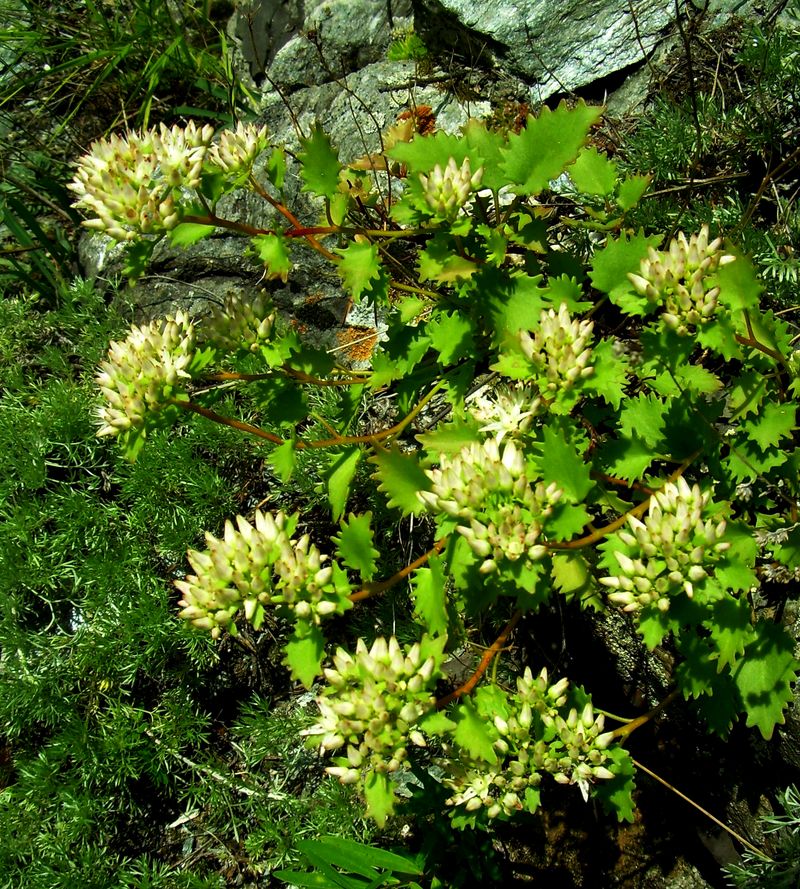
(133, 184)
(256, 565)
(560, 350)
(672, 549)
(533, 738)
(371, 705)
(144, 372)
(489, 489)
(236, 151)
(447, 190)
(680, 281)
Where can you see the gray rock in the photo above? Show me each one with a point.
(557, 48)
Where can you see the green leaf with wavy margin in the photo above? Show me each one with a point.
(400, 478)
(360, 268)
(339, 478)
(474, 734)
(593, 173)
(304, 652)
(549, 142)
(379, 795)
(764, 675)
(610, 267)
(273, 252)
(354, 545)
(428, 591)
(320, 165)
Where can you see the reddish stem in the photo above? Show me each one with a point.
(490, 652)
(378, 587)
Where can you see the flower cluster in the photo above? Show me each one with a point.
(144, 372)
(260, 565)
(532, 737)
(236, 151)
(681, 279)
(446, 191)
(509, 412)
(670, 551)
(560, 351)
(371, 705)
(240, 325)
(132, 184)
(490, 489)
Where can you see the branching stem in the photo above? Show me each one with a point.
(642, 508)
(730, 830)
(490, 652)
(335, 441)
(624, 730)
(380, 586)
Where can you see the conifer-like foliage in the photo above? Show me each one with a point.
(633, 445)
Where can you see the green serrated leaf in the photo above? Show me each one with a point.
(720, 706)
(411, 308)
(549, 142)
(423, 153)
(730, 629)
(360, 268)
(450, 438)
(764, 675)
(567, 290)
(439, 261)
(436, 722)
(739, 287)
(474, 734)
(428, 591)
(562, 464)
(745, 393)
(187, 233)
(654, 626)
(320, 164)
(747, 461)
(339, 478)
(572, 576)
(379, 795)
(610, 374)
(610, 267)
(631, 190)
(567, 521)
(774, 423)
(720, 336)
(304, 652)
(626, 458)
(616, 794)
(697, 670)
(593, 173)
(282, 460)
(696, 378)
(644, 417)
(451, 334)
(276, 167)
(400, 478)
(354, 545)
(487, 144)
(272, 250)
(514, 302)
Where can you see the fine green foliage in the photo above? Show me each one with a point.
(782, 871)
